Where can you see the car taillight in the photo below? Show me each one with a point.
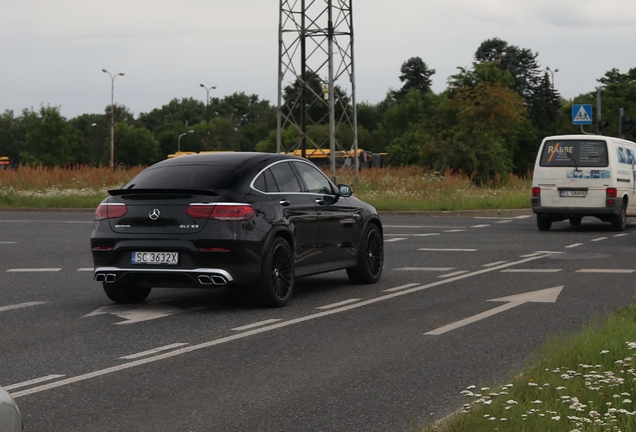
(234, 212)
(536, 191)
(109, 211)
(611, 192)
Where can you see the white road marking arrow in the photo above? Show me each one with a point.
(549, 295)
(137, 313)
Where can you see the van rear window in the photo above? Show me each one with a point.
(574, 153)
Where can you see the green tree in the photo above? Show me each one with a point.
(135, 146)
(416, 75)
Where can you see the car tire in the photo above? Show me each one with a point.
(544, 223)
(276, 283)
(370, 257)
(126, 293)
(575, 220)
(619, 221)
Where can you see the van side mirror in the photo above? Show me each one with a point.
(345, 190)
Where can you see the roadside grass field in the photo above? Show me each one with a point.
(583, 382)
(398, 189)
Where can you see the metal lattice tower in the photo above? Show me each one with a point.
(316, 79)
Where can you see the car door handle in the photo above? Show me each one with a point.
(284, 202)
(320, 201)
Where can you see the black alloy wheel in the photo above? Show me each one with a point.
(125, 293)
(276, 284)
(370, 258)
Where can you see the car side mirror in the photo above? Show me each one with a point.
(345, 190)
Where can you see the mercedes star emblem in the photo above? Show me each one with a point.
(154, 214)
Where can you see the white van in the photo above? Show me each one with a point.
(584, 175)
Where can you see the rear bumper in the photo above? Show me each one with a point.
(200, 277)
(612, 210)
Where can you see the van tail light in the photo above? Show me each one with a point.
(110, 211)
(611, 192)
(234, 212)
(536, 192)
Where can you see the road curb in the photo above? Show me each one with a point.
(455, 213)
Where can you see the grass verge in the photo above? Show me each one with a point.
(584, 382)
(388, 189)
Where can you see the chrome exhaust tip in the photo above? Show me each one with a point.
(205, 280)
(218, 280)
(99, 277)
(110, 278)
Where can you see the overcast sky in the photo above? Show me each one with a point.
(53, 51)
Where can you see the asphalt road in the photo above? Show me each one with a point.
(339, 357)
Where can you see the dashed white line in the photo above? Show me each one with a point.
(256, 324)
(401, 287)
(234, 337)
(529, 255)
(85, 269)
(423, 226)
(425, 268)
(523, 217)
(7, 242)
(480, 226)
(33, 381)
(599, 239)
(492, 217)
(152, 351)
(455, 230)
(34, 270)
(624, 271)
(395, 240)
(620, 235)
(574, 245)
(21, 305)
(447, 250)
(427, 235)
(335, 305)
(531, 270)
(457, 273)
(504, 221)
(494, 263)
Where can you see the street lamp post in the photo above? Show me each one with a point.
(112, 116)
(179, 140)
(207, 108)
(552, 72)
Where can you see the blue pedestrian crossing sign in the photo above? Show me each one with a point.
(582, 114)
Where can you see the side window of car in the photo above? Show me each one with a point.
(259, 183)
(285, 178)
(270, 182)
(316, 181)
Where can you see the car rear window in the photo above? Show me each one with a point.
(184, 176)
(574, 153)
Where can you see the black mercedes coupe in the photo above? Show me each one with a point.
(255, 220)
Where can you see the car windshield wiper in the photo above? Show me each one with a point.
(576, 166)
(141, 191)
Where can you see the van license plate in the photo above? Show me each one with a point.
(574, 193)
(155, 258)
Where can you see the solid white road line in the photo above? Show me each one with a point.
(85, 269)
(395, 240)
(494, 263)
(335, 305)
(33, 381)
(531, 270)
(422, 226)
(425, 268)
(401, 287)
(574, 245)
(599, 239)
(21, 305)
(480, 226)
(152, 351)
(626, 271)
(256, 324)
(33, 270)
(447, 250)
(457, 273)
(227, 339)
(529, 255)
(455, 230)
